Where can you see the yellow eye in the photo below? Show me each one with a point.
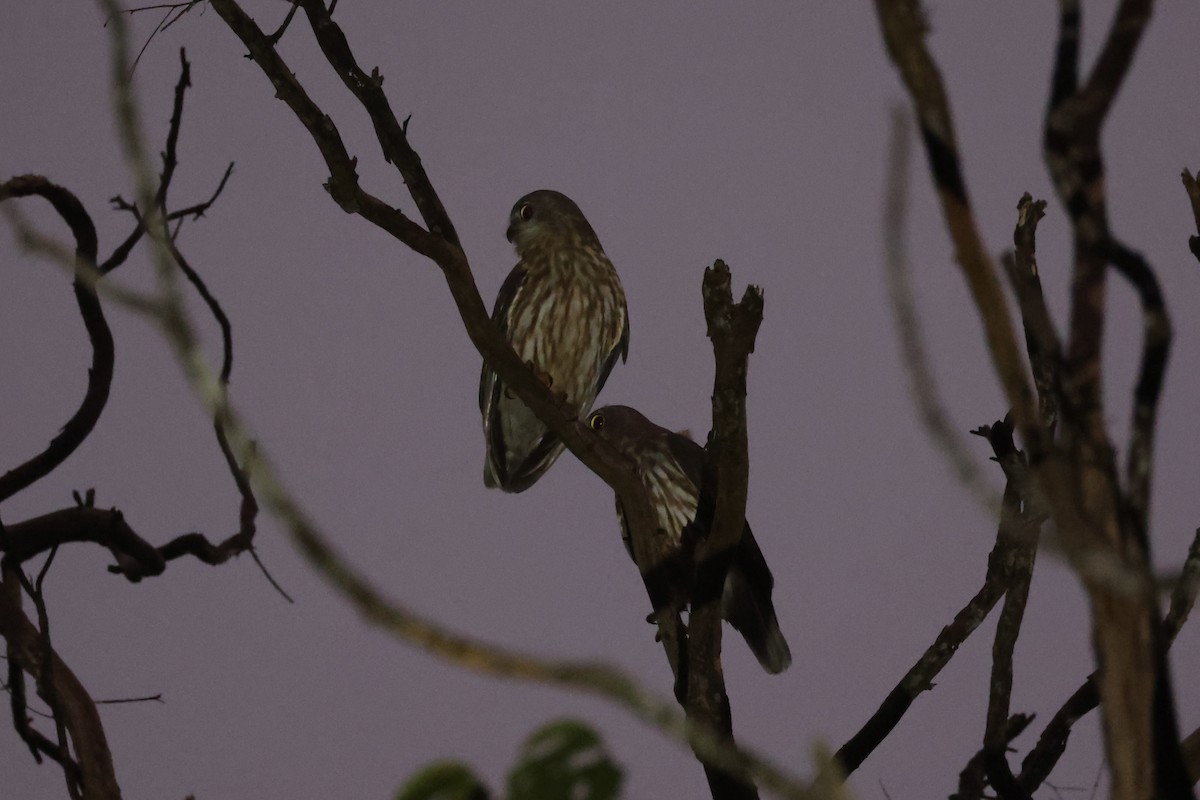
(596, 421)
(525, 212)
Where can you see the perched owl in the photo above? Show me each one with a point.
(563, 311)
(671, 466)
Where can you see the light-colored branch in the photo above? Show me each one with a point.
(921, 381)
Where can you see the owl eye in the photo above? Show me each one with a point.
(525, 212)
(596, 421)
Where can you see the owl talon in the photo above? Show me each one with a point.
(542, 375)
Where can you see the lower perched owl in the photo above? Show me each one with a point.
(563, 311)
(671, 466)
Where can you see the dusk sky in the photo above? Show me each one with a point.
(686, 132)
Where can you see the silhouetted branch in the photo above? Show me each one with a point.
(136, 558)
(170, 162)
(1017, 572)
(46, 684)
(170, 157)
(154, 698)
(972, 781)
(81, 423)
(287, 21)
(391, 135)
(919, 677)
(1152, 368)
(1183, 596)
(92, 766)
(1016, 540)
(174, 12)
(1141, 735)
(1040, 761)
(732, 327)
(1193, 192)
(196, 211)
(1042, 342)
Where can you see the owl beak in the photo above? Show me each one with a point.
(510, 233)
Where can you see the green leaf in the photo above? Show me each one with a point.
(444, 780)
(565, 760)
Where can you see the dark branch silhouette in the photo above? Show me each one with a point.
(100, 373)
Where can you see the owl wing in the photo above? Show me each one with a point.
(488, 388)
(746, 596)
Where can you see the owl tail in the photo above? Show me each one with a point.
(752, 614)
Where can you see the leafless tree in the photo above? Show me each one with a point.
(1064, 474)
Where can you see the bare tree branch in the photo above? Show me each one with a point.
(1042, 341)
(75, 709)
(1152, 368)
(973, 780)
(732, 327)
(100, 373)
(1193, 192)
(921, 380)
(1183, 596)
(1017, 572)
(919, 678)
(904, 29)
(1141, 734)
(1040, 761)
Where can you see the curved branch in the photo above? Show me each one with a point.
(81, 423)
(1156, 348)
(136, 558)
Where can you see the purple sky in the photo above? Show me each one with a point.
(685, 134)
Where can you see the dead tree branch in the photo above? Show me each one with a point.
(91, 767)
(1052, 743)
(732, 327)
(1012, 535)
(1193, 192)
(100, 373)
(1099, 526)
(922, 382)
(1133, 680)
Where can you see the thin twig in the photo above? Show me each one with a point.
(154, 698)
